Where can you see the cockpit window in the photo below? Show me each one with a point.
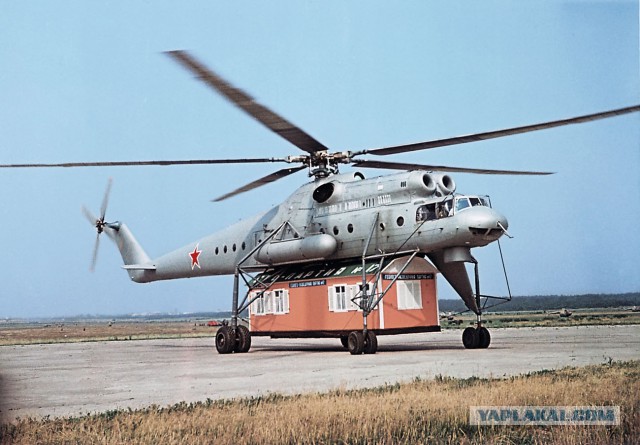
(426, 212)
(464, 202)
(432, 211)
(461, 204)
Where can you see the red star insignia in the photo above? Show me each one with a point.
(195, 255)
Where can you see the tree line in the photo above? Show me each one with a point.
(553, 302)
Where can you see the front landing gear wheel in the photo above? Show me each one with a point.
(484, 338)
(370, 343)
(355, 343)
(470, 338)
(225, 340)
(243, 339)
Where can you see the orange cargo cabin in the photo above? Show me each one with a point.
(325, 300)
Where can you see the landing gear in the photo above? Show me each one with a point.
(358, 343)
(470, 338)
(229, 340)
(355, 343)
(476, 338)
(225, 340)
(370, 343)
(484, 338)
(243, 339)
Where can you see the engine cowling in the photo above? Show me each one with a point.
(313, 247)
(445, 183)
(423, 183)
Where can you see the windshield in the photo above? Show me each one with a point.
(464, 202)
(461, 204)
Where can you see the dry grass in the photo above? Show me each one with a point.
(433, 411)
(24, 334)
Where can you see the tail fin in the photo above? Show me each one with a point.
(136, 261)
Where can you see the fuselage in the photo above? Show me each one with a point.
(339, 217)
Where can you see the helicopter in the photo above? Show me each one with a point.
(335, 216)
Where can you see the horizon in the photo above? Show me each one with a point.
(203, 313)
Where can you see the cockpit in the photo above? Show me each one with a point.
(449, 206)
(463, 202)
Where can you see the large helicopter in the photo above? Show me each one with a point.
(336, 216)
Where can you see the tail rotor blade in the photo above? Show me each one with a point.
(94, 258)
(105, 200)
(90, 216)
(98, 223)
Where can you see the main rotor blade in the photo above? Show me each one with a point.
(260, 182)
(499, 133)
(139, 163)
(244, 101)
(442, 168)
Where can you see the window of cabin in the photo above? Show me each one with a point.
(343, 298)
(262, 305)
(409, 294)
(338, 298)
(281, 301)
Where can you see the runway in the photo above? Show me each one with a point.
(62, 380)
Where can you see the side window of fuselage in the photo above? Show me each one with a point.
(433, 211)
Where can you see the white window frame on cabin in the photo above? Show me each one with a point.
(341, 297)
(263, 305)
(409, 294)
(280, 301)
(338, 296)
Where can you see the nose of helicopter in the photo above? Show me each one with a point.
(485, 222)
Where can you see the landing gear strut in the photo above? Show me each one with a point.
(476, 337)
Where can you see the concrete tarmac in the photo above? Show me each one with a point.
(62, 380)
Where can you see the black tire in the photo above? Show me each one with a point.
(484, 337)
(355, 343)
(243, 339)
(344, 340)
(225, 340)
(370, 343)
(470, 338)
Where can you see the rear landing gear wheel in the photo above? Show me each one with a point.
(243, 339)
(484, 338)
(470, 338)
(225, 340)
(355, 343)
(370, 343)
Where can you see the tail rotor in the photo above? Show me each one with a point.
(98, 223)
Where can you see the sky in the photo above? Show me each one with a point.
(87, 81)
